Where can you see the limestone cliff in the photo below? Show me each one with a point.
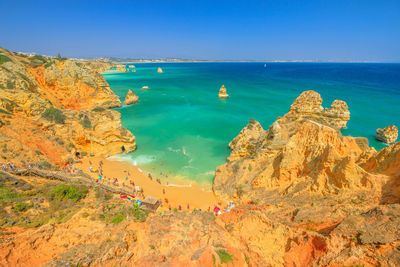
(121, 68)
(98, 66)
(51, 108)
(388, 134)
(301, 152)
(131, 98)
(222, 92)
(309, 105)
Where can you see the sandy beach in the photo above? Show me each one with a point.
(188, 196)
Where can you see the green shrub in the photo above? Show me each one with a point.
(48, 64)
(54, 115)
(138, 213)
(7, 193)
(38, 57)
(117, 219)
(72, 192)
(85, 122)
(10, 84)
(224, 256)
(102, 217)
(5, 112)
(59, 141)
(98, 109)
(22, 206)
(35, 63)
(4, 59)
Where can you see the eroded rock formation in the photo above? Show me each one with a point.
(222, 92)
(309, 105)
(131, 98)
(159, 70)
(52, 108)
(301, 152)
(388, 134)
(121, 68)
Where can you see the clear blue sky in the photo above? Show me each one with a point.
(340, 30)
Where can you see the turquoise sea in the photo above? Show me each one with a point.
(183, 129)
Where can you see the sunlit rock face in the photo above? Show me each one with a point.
(301, 151)
(52, 108)
(388, 134)
(222, 92)
(131, 98)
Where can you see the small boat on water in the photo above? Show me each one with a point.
(265, 65)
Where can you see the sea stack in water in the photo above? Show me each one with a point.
(309, 105)
(159, 70)
(388, 134)
(222, 92)
(131, 98)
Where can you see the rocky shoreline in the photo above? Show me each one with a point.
(303, 194)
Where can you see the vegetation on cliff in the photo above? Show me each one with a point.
(44, 91)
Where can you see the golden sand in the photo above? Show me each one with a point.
(195, 195)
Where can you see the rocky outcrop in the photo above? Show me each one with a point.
(222, 92)
(121, 68)
(90, 89)
(131, 66)
(52, 108)
(131, 98)
(309, 105)
(301, 152)
(159, 70)
(388, 134)
(98, 65)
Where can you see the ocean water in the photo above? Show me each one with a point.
(183, 129)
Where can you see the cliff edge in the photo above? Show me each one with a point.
(53, 108)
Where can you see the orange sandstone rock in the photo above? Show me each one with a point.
(388, 134)
(222, 92)
(131, 98)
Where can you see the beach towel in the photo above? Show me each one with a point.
(130, 197)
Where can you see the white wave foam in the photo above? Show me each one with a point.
(174, 150)
(139, 160)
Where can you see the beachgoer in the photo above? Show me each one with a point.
(163, 191)
(180, 207)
